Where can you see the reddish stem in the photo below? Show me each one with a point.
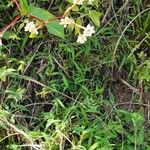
(10, 25)
(39, 27)
(49, 21)
(37, 18)
(56, 18)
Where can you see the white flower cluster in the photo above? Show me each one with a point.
(88, 30)
(80, 2)
(66, 21)
(31, 27)
(90, 2)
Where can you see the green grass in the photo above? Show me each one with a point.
(56, 94)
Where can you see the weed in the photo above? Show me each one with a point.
(58, 94)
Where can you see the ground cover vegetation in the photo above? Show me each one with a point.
(80, 81)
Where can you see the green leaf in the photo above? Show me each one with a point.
(56, 29)
(86, 134)
(95, 16)
(70, 1)
(24, 7)
(147, 23)
(60, 103)
(4, 72)
(35, 134)
(75, 8)
(66, 83)
(77, 29)
(94, 146)
(15, 94)
(10, 35)
(96, 3)
(53, 27)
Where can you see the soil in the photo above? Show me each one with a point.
(126, 98)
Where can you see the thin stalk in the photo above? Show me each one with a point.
(10, 25)
(69, 9)
(49, 21)
(37, 18)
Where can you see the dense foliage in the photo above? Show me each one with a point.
(58, 93)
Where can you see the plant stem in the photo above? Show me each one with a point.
(10, 25)
(69, 9)
(49, 21)
(37, 18)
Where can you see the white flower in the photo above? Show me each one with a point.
(78, 2)
(89, 30)
(81, 39)
(90, 2)
(31, 27)
(66, 21)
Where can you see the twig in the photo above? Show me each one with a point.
(37, 18)
(10, 25)
(107, 12)
(131, 87)
(49, 21)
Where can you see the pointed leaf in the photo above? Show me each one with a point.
(95, 16)
(53, 27)
(24, 7)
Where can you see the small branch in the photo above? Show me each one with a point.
(107, 12)
(56, 18)
(10, 25)
(131, 87)
(49, 21)
(37, 18)
(17, 130)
